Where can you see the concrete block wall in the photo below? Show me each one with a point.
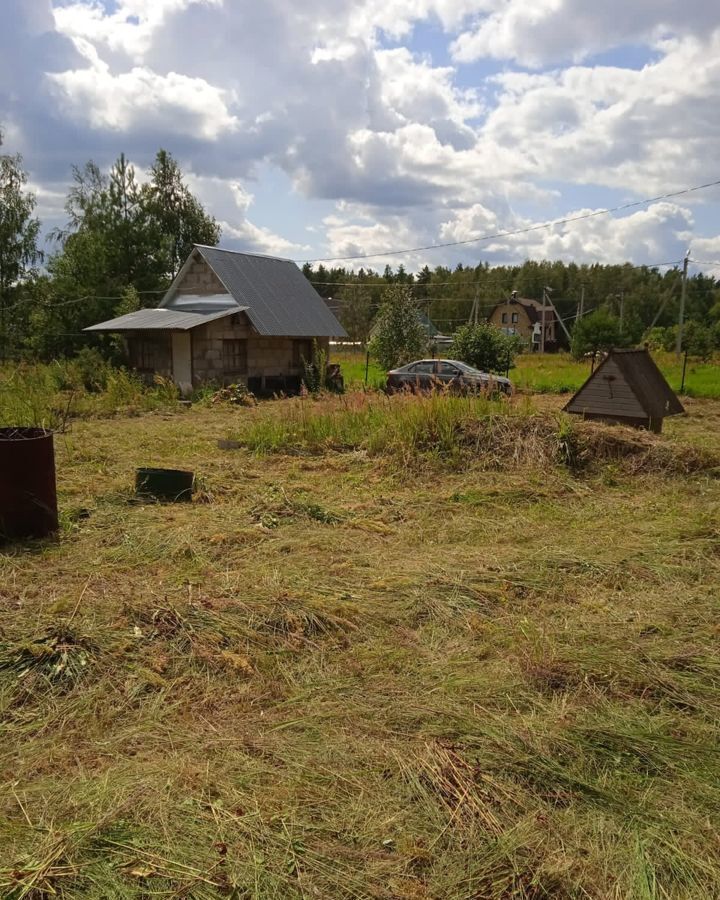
(200, 279)
(267, 357)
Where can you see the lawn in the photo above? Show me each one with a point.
(395, 648)
(555, 373)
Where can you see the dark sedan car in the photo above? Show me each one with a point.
(426, 374)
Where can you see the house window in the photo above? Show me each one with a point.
(302, 353)
(504, 318)
(148, 354)
(515, 318)
(235, 357)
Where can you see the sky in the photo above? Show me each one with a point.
(336, 128)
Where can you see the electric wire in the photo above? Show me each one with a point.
(526, 230)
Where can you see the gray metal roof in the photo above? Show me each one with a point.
(279, 298)
(162, 319)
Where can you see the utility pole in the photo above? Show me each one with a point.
(683, 295)
(581, 312)
(475, 311)
(621, 296)
(544, 319)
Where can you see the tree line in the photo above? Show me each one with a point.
(624, 302)
(124, 241)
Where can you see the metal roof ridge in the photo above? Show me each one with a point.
(244, 253)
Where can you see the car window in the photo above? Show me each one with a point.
(422, 368)
(446, 368)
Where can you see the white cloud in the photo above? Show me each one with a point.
(121, 102)
(548, 31)
(128, 29)
(314, 89)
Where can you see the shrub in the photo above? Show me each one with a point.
(599, 330)
(486, 347)
(90, 370)
(315, 377)
(399, 336)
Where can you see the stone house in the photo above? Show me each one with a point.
(524, 317)
(230, 317)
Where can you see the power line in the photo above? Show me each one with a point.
(526, 230)
(705, 262)
(53, 304)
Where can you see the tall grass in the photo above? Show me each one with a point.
(46, 395)
(375, 423)
(492, 434)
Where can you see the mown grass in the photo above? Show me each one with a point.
(331, 677)
(556, 373)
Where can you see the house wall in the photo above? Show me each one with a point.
(267, 357)
(523, 327)
(200, 279)
(607, 394)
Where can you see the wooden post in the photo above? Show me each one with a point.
(682, 383)
(367, 366)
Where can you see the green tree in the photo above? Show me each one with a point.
(179, 218)
(698, 339)
(398, 334)
(485, 347)
(599, 330)
(19, 231)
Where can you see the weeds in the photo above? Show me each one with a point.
(460, 430)
(47, 396)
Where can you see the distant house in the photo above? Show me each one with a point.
(230, 317)
(629, 389)
(524, 317)
(437, 339)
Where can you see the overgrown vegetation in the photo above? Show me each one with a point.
(49, 395)
(346, 679)
(486, 347)
(415, 430)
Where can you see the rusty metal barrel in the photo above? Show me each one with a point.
(28, 493)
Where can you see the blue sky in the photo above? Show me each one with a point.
(345, 127)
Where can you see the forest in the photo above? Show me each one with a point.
(124, 240)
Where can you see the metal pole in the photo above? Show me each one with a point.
(367, 366)
(683, 295)
(682, 383)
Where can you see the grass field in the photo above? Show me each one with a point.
(395, 648)
(555, 373)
